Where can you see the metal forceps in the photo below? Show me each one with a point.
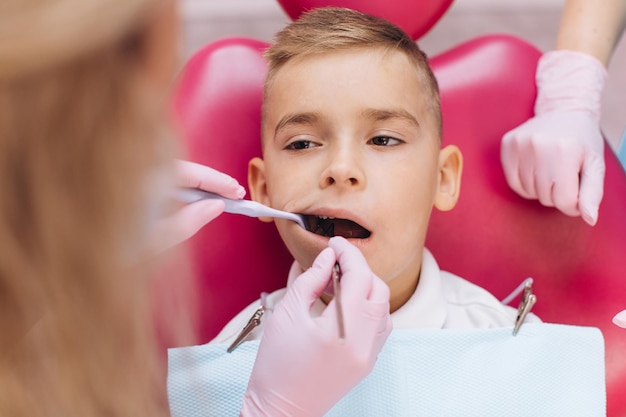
(252, 324)
(528, 301)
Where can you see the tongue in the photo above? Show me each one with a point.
(340, 227)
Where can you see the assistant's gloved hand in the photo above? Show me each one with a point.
(557, 156)
(620, 319)
(302, 369)
(185, 222)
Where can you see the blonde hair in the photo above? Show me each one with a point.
(80, 140)
(331, 29)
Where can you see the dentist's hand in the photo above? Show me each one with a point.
(190, 218)
(557, 157)
(302, 369)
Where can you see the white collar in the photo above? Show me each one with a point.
(425, 309)
(427, 306)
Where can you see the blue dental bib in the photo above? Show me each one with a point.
(545, 370)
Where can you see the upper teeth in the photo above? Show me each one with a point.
(325, 217)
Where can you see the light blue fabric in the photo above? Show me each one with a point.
(621, 151)
(546, 370)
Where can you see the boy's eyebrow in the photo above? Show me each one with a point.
(297, 119)
(386, 114)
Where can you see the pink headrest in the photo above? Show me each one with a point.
(415, 17)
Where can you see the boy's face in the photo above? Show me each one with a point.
(348, 135)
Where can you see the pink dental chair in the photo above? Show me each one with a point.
(493, 237)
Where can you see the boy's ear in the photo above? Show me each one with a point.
(449, 178)
(258, 184)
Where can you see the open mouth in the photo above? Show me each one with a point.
(332, 226)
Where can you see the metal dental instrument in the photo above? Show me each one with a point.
(252, 324)
(245, 207)
(255, 320)
(337, 297)
(517, 291)
(528, 301)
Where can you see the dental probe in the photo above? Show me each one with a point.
(244, 207)
(337, 296)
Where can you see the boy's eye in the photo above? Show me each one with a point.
(301, 144)
(384, 141)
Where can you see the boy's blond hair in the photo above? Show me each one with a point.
(332, 29)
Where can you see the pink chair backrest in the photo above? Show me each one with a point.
(493, 237)
(218, 105)
(415, 17)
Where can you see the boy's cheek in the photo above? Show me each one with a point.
(303, 252)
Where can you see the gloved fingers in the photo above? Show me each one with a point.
(184, 223)
(556, 182)
(378, 312)
(374, 312)
(548, 172)
(357, 278)
(620, 319)
(522, 148)
(591, 187)
(294, 271)
(297, 352)
(386, 326)
(379, 292)
(564, 194)
(386, 330)
(192, 175)
(364, 296)
(365, 330)
(509, 157)
(308, 287)
(526, 172)
(357, 314)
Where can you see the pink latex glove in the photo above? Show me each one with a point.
(302, 369)
(190, 218)
(557, 156)
(620, 319)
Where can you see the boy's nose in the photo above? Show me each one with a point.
(343, 171)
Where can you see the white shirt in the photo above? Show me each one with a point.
(441, 301)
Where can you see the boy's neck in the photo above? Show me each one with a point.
(400, 291)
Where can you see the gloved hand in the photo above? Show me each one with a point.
(620, 319)
(185, 222)
(557, 156)
(301, 368)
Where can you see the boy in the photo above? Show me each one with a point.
(351, 134)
